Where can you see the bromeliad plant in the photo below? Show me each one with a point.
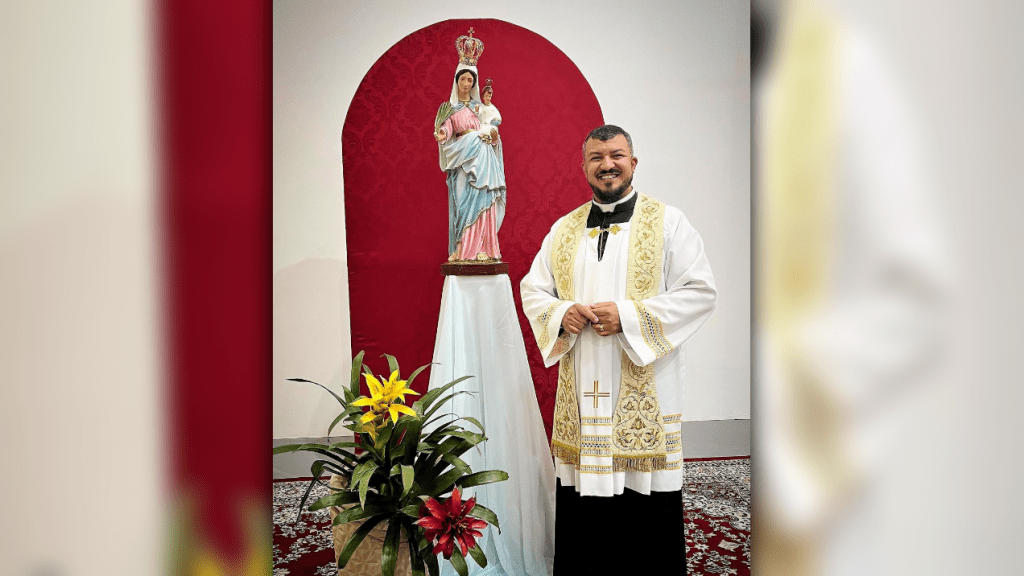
(410, 461)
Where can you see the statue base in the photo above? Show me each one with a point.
(464, 268)
(478, 334)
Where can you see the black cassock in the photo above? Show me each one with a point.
(629, 534)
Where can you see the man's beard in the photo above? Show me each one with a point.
(611, 195)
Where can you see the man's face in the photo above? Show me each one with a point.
(609, 168)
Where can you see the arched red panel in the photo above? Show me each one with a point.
(396, 207)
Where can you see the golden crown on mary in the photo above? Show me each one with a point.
(469, 49)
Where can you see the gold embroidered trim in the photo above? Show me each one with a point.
(596, 421)
(615, 229)
(650, 328)
(673, 442)
(646, 249)
(672, 418)
(561, 345)
(594, 469)
(542, 321)
(565, 437)
(638, 433)
(568, 454)
(675, 465)
(564, 248)
(596, 446)
(639, 463)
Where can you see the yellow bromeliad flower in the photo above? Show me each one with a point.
(383, 401)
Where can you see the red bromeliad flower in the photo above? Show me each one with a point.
(447, 524)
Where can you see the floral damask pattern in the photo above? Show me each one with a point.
(716, 497)
(395, 196)
(303, 547)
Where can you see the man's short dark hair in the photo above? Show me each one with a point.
(606, 133)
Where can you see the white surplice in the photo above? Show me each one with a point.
(685, 299)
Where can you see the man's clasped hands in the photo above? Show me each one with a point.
(603, 317)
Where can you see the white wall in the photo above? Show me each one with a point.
(80, 310)
(673, 74)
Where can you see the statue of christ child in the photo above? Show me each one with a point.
(489, 115)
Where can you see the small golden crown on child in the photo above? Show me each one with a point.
(469, 49)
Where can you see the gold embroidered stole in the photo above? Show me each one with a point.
(565, 435)
(638, 431)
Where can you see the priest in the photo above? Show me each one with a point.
(618, 287)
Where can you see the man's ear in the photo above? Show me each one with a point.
(634, 160)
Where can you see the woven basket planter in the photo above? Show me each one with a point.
(365, 560)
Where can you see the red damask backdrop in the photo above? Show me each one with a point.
(396, 206)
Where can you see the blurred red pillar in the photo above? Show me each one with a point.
(213, 98)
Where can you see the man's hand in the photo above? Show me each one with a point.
(606, 321)
(577, 317)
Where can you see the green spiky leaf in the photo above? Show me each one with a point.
(473, 421)
(415, 373)
(357, 366)
(412, 510)
(316, 470)
(440, 403)
(350, 515)
(428, 398)
(389, 554)
(484, 513)
(392, 364)
(485, 477)
(336, 499)
(411, 532)
(336, 397)
(431, 561)
(361, 479)
(459, 563)
(408, 475)
(357, 538)
(478, 556)
(445, 481)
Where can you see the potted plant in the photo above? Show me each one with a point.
(405, 472)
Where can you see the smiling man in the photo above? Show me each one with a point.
(617, 288)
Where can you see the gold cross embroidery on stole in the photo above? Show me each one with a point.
(595, 394)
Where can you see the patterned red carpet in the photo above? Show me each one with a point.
(717, 497)
(717, 501)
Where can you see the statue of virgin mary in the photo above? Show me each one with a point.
(470, 154)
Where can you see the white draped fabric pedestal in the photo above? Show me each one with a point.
(478, 334)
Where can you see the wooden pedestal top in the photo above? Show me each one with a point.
(474, 268)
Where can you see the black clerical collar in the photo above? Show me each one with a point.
(622, 212)
(602, 220)
(610, 207)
